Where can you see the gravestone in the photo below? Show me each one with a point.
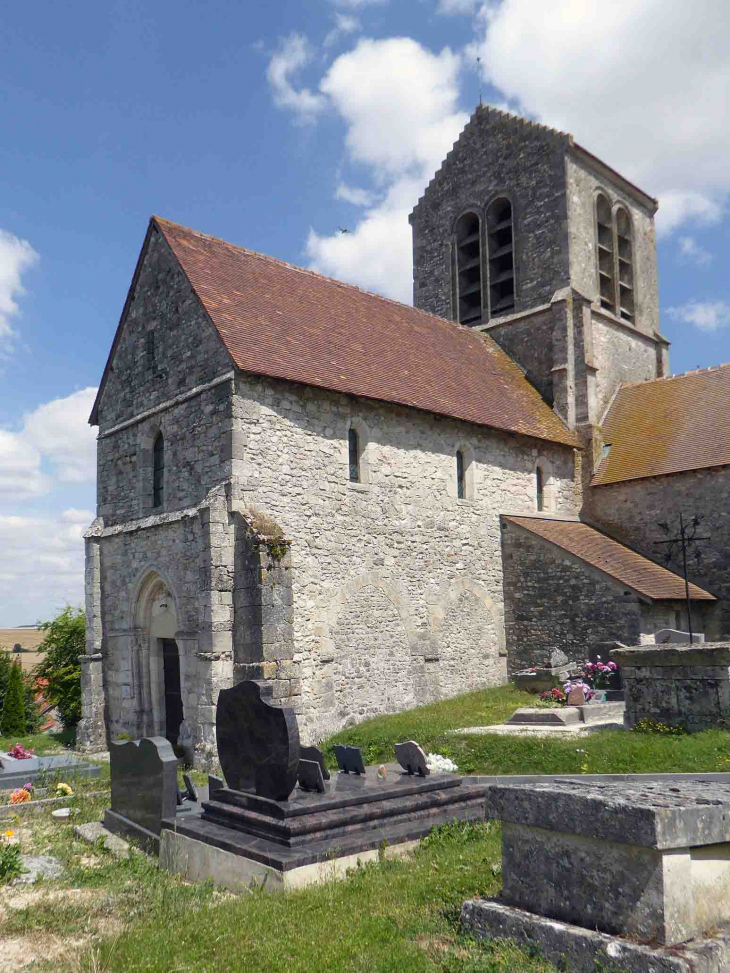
(143, 788)
(310, 776)
(214, 784)
(558, 658)
(665, 635)
(191, 790)
(186, 743)
(411, 758)
(576, 697)
(349, 759)
(258, 743)
(314, 753)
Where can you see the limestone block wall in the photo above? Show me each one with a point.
(397, 584)
(632, 510)
(621, 354)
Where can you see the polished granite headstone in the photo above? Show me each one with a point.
(258, 743)
(143, 788)
(214, 784)
(411, 758)
(314, 753)
(349, 759)
(310, 776)
(190, 789)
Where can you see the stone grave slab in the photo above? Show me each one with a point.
(669, 635)
(557, 715)
(15, 773)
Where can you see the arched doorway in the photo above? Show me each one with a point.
(162, 691)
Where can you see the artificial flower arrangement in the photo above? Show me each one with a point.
(600, 675)
(63, 790)
(442, 765)
(20, 753)
(22, 794)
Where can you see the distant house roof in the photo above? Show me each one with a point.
(285, 322)
(669, 425)
(614, 559)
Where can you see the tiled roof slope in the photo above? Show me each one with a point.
(620, 562)
(668, 425)
(285, 322)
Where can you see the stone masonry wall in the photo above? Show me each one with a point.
(397, 584)
(621, 355)
(632, 510)
(495, 155)
(554, 600)
(528, 339)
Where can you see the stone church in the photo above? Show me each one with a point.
(373, 505)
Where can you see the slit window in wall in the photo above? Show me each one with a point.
(604, 239)
(625, 265)
(158, 471)
(539, 489)
(353, 449)
(460, 476)
(501, 257)
(469, 269)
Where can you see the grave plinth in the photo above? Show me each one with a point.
(242, 837)
(646, 861)
(680, 685)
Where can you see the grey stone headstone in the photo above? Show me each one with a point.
(258, 743)
(665, 635)
(144, 781)
(349, 759)
(411, 758)
(314, 753)
(310, 776)
(558, 658)
(186, 742)
(576, 697)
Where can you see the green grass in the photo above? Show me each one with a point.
(41, 742)
(598, 752)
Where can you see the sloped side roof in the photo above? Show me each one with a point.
(285, 322)
(669, 425)
(615, 559)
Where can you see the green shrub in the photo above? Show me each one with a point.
(64, 642)
(12, 718)
(10, 863)
(32, 711)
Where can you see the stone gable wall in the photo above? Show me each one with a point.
(495, 156)
(622, 355)
(397, 584)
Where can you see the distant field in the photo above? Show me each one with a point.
(29, 638)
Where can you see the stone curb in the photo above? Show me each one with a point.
(722, 778)
(8, 810)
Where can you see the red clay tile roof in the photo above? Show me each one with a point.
(285, 322)
(668, 425)
(620, 562)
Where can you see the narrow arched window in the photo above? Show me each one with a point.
(469, 269)
(539, 489)
(158, 471)
(625, 265)
(460, 476)
(604, 239)
(353, 448)
(501, 257)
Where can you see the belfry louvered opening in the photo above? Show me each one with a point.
(469, 268)
(501, 257)
(604, 235)
(625, 265)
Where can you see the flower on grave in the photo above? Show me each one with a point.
(28, 786)
(19, 796)
(63, 790)
(381, 771)
(20, 753)
(441, 764)
(579, 684)
(8, 834)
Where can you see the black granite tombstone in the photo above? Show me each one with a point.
(412, 758)
(310, 776)
(258, 743)
(190, 788)
(314, 753)
(214, 784)
(143, 785)
(349, 759)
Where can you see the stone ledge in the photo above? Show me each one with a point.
(689, 654)
(585, 951)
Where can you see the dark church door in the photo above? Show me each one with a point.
(173, 696)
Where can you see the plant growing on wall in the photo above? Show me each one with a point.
(12, 718)
(64, 642)
(265, 531)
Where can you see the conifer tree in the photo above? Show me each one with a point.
(12, 719)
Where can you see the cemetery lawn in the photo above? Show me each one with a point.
(595, 752)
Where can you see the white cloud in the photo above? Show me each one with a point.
(354, 195)
(359, 4)
(452, 7)
(293, 55)
(43, 565)
(678, 208)
(707, 316)
(691, 251)
(60, 430)
(657, 110)
(16, 256)
(344, 24)
(398, 101)
(20, 467)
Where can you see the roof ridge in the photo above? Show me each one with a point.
(668, 378)
(314, 273)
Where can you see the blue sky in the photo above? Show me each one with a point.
(273, 125)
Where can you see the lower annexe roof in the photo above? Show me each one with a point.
(613, 558)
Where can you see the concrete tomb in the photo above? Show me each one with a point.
(14, 773)
(647, 861)
(245, 836)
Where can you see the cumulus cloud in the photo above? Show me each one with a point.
(359, 4)
(43, 565)
(344, 24)
(355, 195)
(293, 55)
(453, 7)
(707, 316)
(58, 432)
(690, 251)
(658, 112)
(677, 208)
(399, 104)
(16, 256)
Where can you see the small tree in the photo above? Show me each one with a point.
(64, 642)
(12, 719)
(32, 710)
